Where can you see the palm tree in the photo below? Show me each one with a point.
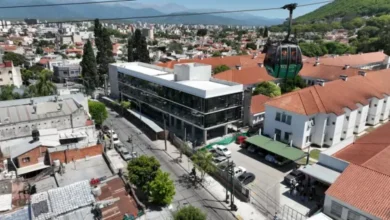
(44, 86)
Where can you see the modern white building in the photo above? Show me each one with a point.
(330, 113)
(9, 74)
(188, 98)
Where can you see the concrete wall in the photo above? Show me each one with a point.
(68, 156)
(345, 210)
(334, 130)
(349, 123)
(385, 109)
(35, 155)
(113, 78)
(361, 118)
(318, 130)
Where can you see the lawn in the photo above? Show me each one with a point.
(315, 154)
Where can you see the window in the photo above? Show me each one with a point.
(375, 105)
(347, 117)
(288, 120)
(336, 209)
(333, 123)
(277, 116)
(331, 139)
(1, 80)
(287, 136)
(26, 159)
(353, 215)
(308, 139)
(360, 112)
(278, 133)
(284, 118)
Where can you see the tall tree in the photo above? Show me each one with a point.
(130, 49)
(203, 162)
(98, 111)
(39, 50)
(189, 212)
(17, 59)
(268, 89)
(104, 56)
(138, 48)
(89, 68)
(161, 189)
(143, 170)
(26, 76)
(265, 33)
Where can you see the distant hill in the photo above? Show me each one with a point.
(346, 8)
(115, 10)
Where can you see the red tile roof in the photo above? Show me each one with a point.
(79, 51)
(257, 103)
(364, 189)
(9, 47)
(230, 61)
(371, 150)
(115, 188)
(326, 72)
(336, 95)
(246, 76)
(48, 50)
(352, 60)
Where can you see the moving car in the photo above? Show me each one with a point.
(223, 151)
(219, 160)
(294, 175)
(238, 171)
(246, 178)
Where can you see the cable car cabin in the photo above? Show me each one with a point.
(283, 61)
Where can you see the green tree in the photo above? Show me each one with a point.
(175, 46)
(289, 84)
(221, 68)
(27, 75)
(7, 92)
(201, 33)
(138, 48)
(161, 189)
(63, 47)
(39, 50)
(44, 86)
(89, 68)
(189, 213)
(190, 47)
(17, 59)
(98, 111)
(368, 31)
(265, 33)
(203, 161)
(268, 89)
(125, 105)
(36, 69)
(251, 46)
(142, 171)
(78, 56)
(216, 54)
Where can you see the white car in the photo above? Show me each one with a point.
(219, 160)
(223, 151)
(115, 139)
(238, 171)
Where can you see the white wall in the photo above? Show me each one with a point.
(298, 126)
(385, 109)
(361, 118)
(346, 208)
(349, 123)
(334, 129)
(374, 113)
(113, 78)
(318, 130)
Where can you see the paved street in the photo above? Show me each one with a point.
(185, 192)
(267, 191)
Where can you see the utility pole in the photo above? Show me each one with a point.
(227, 191)
(230, 170)
(165, 133)
(185, 142)
(111, 134)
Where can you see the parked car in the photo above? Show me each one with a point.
(223, 151)
(294, 175)
(219, 160)
(238, 171)
(246, 178)
(127, 155)
(240, 139)
(115, 139)
(252, 149)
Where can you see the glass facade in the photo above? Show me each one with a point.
(196, 110)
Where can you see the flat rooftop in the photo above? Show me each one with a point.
(85, 169)
(46, 184)
(201, 84)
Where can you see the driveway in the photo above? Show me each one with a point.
(267, 191)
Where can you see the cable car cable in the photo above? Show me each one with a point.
(63, 4)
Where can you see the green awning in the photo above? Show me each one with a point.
(276, 147)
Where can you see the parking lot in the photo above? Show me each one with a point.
(268, 193)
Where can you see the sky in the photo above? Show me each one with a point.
(243, 4)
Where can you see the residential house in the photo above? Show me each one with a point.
(331, 112)
(65, 72)
(366, 61)
(9, 74)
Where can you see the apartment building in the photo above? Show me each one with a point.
(9, 74)
(330, 113)
(64, 71)
(187, 98)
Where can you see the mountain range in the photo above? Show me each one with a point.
(128, 9)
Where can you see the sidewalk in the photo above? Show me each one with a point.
(245, 211)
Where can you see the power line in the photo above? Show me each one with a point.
(62, 4)
(185, 14)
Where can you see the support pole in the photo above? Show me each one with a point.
(165, 134)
